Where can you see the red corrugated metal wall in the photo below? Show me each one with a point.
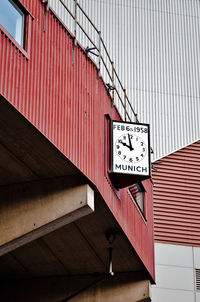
(177, 197)
(66, 100)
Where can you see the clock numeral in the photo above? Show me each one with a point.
(131, 136)
(143, 149)
(117, 146)
(142, 155)
(124, 137)
(130, 159)
(140, 129)
(120, 141)
(137, 129)
(119, 152)
(136, 139)
(137, 158)
(142, 144)
(124, 156)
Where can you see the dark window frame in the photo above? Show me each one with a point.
(25, 49)
(139, 189)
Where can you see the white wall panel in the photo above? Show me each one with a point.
(197, 297)
(196, 257)
(174, 255)
(175, 273)
(174, 277)
(169, 295)
(156, 49)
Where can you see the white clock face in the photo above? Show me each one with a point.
(130, 148)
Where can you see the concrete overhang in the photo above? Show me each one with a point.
(26, 155)
(35, 177)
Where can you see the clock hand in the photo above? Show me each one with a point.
(124, 144)
(130, 143)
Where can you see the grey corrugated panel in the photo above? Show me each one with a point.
(156, 49)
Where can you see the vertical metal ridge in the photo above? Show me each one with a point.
(155, 47)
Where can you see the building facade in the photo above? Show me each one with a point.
(67, 232)
(176, 226)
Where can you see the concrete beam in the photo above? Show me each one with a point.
(31, 210)
(123, 287)
(50, 289)
(117, 288)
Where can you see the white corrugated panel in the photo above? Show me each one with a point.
(156, 49)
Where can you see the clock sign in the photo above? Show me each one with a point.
(130, 149)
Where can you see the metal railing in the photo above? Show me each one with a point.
(104, 63)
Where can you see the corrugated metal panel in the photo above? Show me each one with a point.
(64, 9)
(59, 91)
(156, 49)
(177, 197)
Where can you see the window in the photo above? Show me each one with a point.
(137, 192)
(12, 19)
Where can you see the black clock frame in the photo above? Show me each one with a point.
(122, 179)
